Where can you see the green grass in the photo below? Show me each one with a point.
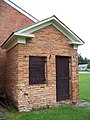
(84, 82)
(60, 113)
(84, 70)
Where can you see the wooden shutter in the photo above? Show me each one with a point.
(37, 70)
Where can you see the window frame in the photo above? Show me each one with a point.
(44, 67)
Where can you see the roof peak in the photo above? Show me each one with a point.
(21, 10)
(75, 41)
(54, 20)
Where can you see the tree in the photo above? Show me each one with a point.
(88, 65)
(86, 60)
(82, 60)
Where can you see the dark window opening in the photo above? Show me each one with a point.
(37, 70)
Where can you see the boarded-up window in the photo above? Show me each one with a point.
(36, 70)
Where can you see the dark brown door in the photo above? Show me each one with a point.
(62, 78)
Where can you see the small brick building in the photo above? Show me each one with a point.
(42, 65)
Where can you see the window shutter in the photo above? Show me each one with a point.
(37, 70)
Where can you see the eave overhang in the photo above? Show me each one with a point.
(26, 32)
(15, 38)
(74, 39)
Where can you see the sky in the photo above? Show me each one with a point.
(74, 13)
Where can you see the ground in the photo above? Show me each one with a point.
(84, 81)
(60, 113)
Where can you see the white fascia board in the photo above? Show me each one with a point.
(60, 26)
(7, 41)
(67, 29)
(16, 39)
(76, 43)
(24, 35)
(35, 28)
(18, 35)
(14, 42)
(21, 10)
(39, 24)
(56, 23)
(10, 45)
(70, 36)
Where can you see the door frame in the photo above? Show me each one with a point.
(70, 69)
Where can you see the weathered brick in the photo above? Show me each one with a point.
(48, 41)
(10, 21)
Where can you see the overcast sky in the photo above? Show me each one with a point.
(74, 13)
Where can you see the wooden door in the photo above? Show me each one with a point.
(62, 78)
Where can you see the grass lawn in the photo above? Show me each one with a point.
(84, 82)
(60, 113)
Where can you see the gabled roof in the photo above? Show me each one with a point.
(21, 10)
(53, 20)
(27, 31)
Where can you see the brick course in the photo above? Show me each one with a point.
(10, 21)
(12, 74)
(48, 41)
(2, 69)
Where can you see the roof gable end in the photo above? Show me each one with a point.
(25, 32)
(57, 24)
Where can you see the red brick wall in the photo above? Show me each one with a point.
(2, 69)
(10, 21)
(12, 74)
(48, 41)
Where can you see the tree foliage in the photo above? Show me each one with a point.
(82, 60)
(88, 65)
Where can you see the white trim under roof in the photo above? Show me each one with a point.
(21, 10)
(24, 35)
(21, 35)
(16, 39)
(56, 23)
